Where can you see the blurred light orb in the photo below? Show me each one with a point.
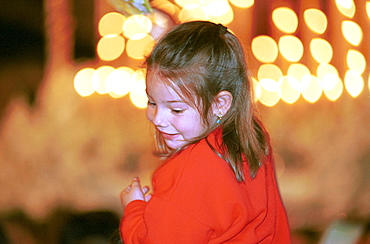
(256, 89)
(289, 94)
(192, 12)
(285, 19)
(269, 71)
(298, 71)
(270, 92)
(346, 7)
(216, 7)
(137, 26)
(99, 78)
(352, 32)
(321, 50)
(110, 47)
(335, 90)
(264, 49)
(242, 3)
(300, 84)
(184, 3)
(368, 9)
(118, 83)
(83, 82)
(139, 48)
(356, 61)
(111, 23)
(315, 20)
(225, 18)
(291, 48)
(354, 83)
(313, 91)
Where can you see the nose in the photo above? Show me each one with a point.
(157, 117)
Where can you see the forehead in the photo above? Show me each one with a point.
(159, 87)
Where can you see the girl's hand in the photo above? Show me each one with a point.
(134, 192)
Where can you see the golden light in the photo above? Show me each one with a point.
(119, 82)
(99, 78)
(321, 50)
(139, 48)
(328, 76)
(216, 7)
(256, 89)
(288, 93)
(298, 71)
(335, 92)
(270, 71)
(313, 91)
(83, 82)
(368, 9)
(353, 82)
(264, 49)
(192, 12)
(110, 47)
(368, 83)
(137, 26)
(291, 48)
(346, 7)
(352, 32)
(315, 20)
(138, 95)
(285, 19)
(242, 3)
(356, 61)
(111, 23)
(270, 92)
(184, 3)
(225, 18)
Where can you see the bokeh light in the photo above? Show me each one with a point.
(138, 93)
(285, 20)
(321, 50)
(328, 76)
(257, 89)
(119, 82)
(139, 48)
(192, 12)
(242, 3)
(225, 18)
(110, 47)
(368, 9)
(270, 71)
(346, 7)
(313, 91)
(353, 82)
(83, 82)
(184, 3)
(291, 48)
(336, 91)
(298, 71)
(137, 26)
(288, 93)
(356, 61)
(265, 49)
(111, 23)
(99, 78)
(315, 20)
(352, 32)
(270, 92)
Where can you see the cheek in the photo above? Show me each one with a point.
(149, 114)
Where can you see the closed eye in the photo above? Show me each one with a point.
(177, 111)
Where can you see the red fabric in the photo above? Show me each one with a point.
(197, 199)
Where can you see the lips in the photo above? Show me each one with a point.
(169, 136)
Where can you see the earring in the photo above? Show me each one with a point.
(219, 117)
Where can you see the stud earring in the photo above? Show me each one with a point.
(219, 117)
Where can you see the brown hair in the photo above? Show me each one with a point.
(200, 59)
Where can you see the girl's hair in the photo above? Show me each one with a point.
(200, 59)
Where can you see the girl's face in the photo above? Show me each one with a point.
(176, 120)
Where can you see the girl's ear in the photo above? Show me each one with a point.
(222, 103)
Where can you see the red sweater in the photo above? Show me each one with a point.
(197, 199)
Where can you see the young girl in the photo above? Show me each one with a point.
(217, 184)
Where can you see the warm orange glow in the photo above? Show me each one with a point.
(356, 61)
(265, 49)
(225, 17)
(321, 50)
(137, 26)
(368, 9)
(138, 94)
(298, 71)
(354, 83)
(242, 3)
(288, 93)
(83, 82)
(119, 83)
(184, 3)
(192, 12)
(352, 32)
(99, 78)
(270, 71)
(110, 47)
(291, 48)
(111, 23)
(270, 92)
(328, 76)
(257, 89)
(216, 7)
(315, 20)
(285, 19)
(346, 7)
(335, 92)
(138, 49)
(313, 91)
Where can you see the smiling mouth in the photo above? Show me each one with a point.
(169, 136)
